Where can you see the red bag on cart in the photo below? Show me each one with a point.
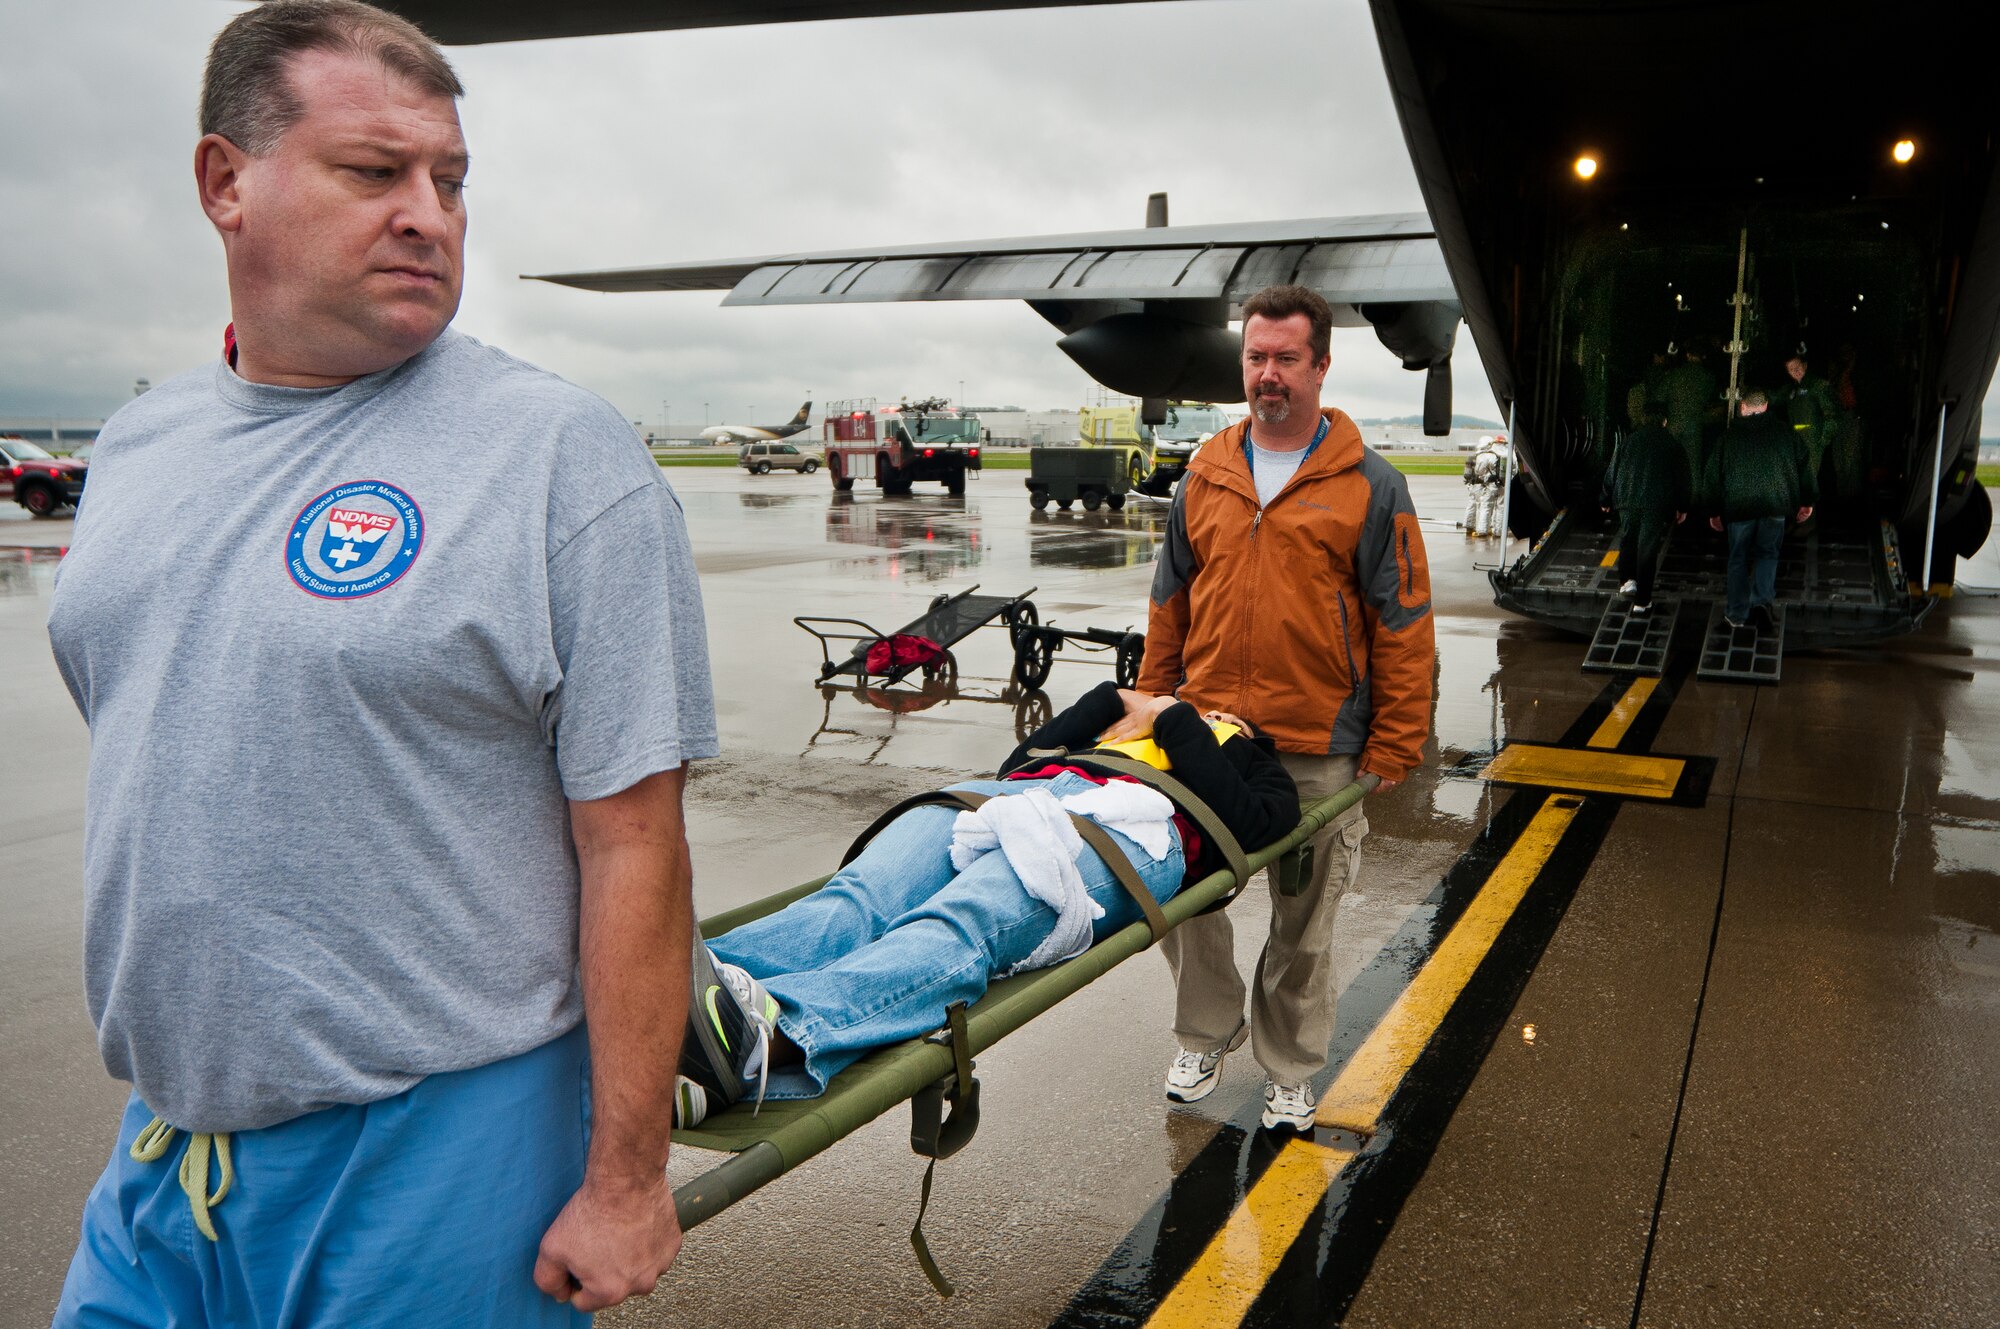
(901, 650)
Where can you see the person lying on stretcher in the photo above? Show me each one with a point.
(942, 900)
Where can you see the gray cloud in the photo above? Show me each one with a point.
(654, 147)
(650, 148)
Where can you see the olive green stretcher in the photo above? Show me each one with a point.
(930, 1072)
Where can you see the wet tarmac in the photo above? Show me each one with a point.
(1764, 1017)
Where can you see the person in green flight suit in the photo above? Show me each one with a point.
(1809, 402)
(1648, 483)
(1692, 395)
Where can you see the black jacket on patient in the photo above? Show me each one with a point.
(1241, 779)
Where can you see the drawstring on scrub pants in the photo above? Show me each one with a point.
(151, 1145)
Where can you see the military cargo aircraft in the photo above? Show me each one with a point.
(1738, 176)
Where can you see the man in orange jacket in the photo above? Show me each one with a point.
(1292, 591)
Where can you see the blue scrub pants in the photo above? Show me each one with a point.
(878, 954)
(422, 1209)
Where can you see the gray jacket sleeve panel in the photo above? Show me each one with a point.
(1176, 564)
(1377, 566)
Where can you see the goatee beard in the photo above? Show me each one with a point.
(1271, 410)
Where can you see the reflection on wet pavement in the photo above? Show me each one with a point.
(27, 571)
(1127, 539)
(1031, 710)
(927, 537)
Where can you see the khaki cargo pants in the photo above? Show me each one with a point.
(1291, 994)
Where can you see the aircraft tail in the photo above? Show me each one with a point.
(804, 411)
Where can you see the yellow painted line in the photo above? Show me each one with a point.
(1356, 1098)
(1240, 1259)
(1630, 775)
(1232, 1271)
(1610, 559)
(1612, 732)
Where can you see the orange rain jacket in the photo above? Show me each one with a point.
(1310, 618)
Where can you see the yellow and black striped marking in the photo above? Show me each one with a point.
(1276, 1231)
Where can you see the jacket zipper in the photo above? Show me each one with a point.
(1347, 644)
(1250, 618)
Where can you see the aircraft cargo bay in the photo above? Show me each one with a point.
(1665, 1000)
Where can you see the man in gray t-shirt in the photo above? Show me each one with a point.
(393, 659)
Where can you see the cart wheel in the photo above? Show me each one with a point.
(1092, 500)
(1032, 710)
(1116, 502)
(1130, 652)
(939, 601)
(1063, 503)
(1019, 619)
(1040, 499)
(944, 667)
(1033, 658)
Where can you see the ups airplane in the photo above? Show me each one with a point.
(1611, 185)
(759, 433)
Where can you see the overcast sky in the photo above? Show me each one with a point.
(653, 148)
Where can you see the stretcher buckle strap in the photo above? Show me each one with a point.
(1293, 870)
(151, 1145)
(935, 1136)
(1219, 835)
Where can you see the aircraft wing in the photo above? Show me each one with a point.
(1349, 260)
(469, 22)
(1143, 311)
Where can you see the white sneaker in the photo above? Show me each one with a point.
(1194, 1074)
(1289, 1106)
(1629, 588)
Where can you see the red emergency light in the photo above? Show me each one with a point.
(930, 452)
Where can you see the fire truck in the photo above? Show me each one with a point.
(898, 445)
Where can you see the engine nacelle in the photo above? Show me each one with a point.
(1421, 333)
(1152, 355)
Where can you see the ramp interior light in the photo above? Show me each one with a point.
(1904, 150)
(1586, 166)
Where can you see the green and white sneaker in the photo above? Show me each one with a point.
(690, 1103)
(730, 1021)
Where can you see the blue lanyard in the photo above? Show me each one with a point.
(1319, 436)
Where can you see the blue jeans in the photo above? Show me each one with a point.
(877, 954)
(1753, 564)
(426, 1208)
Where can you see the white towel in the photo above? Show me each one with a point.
(1033, 831)
(1138, 812)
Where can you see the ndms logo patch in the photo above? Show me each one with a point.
(354, 540)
